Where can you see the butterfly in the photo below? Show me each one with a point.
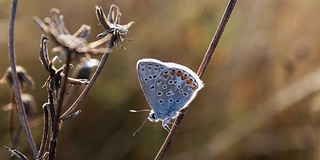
(168, 88)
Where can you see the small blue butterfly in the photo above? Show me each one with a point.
(168, 88)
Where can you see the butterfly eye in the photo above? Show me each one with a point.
(152, 116)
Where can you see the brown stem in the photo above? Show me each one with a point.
(204, 64)
(57, 122)
(93, 79)
(13, 109)
(45, 134)
(21, 110)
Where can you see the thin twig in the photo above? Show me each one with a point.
(57, 123)
(92, 80)
(11, 119)
(52, 108)
(16, 153)
(201, 71)
(45, 134)
(21, 110)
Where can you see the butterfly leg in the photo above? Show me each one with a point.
(165, 124)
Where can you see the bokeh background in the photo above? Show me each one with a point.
(260, 100)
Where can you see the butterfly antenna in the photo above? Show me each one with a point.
(142, 110)
(136, 132)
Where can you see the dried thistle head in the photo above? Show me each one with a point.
(23, 77)
(55, 74)
(57, 31)
(112, 24)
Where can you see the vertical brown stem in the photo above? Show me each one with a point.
(45, 133)
(21, 110)
(13, 109)
(57, 122)
(201, 71)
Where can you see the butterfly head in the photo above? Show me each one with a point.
(153, 117)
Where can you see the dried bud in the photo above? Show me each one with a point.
(23, 77)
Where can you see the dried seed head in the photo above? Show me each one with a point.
(23, 77)
(112, 24)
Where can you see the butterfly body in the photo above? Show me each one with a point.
(168, 88)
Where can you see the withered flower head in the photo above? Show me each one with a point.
(28, 102)
(112, 24)
(23, 77)
(77, 42)
(55, 74)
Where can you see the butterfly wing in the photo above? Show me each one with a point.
(168, 87)
(148, 71)
(176, 87)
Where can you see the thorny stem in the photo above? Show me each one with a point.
(92, 80)
(57, 123)
(204, 64)
(21, 110)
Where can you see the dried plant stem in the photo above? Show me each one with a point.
(201, 71)
(45, 134)
(51, 108)
(57, 122)
(11, 119)
(21, 110)
(92, 80)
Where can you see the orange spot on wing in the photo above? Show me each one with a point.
(179, 73)
(165, 75)
(189, 81)
(184, 76)
(173, 72)
(159, 80)
(194, 87)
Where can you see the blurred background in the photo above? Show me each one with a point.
(260, 100)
